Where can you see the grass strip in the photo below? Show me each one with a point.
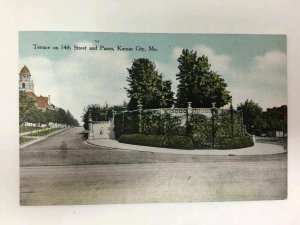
(24, 139)
(44, 132)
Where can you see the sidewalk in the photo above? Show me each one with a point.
(257, 149)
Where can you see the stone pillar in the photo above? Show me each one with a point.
(242, 122)
(231, 119)
(189, 109)
(188, 119)
(213, 114)
(213, 105)
(123, 118)
(91, 131)
(161, 111)
(253, 138)
(140, 109)
(113, 116)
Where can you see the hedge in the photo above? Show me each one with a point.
(236, 142)
(179, 142)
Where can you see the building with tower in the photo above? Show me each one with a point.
(25, 82)
(26, 85)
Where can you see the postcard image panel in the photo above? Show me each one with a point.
(151, 117)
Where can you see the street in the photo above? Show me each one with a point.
(62, 169)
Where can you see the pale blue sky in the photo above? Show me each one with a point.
(254, 66)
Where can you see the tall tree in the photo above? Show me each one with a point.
(29, 113)
(167, 99)
(198, 83)
(251, 115)
(26, 105)
(146, 86)
(99, 113)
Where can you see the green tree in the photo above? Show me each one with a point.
(146, 86)
(29, 113)
(167, 99)
(26, 105)
(35, 116)
(70, 120)
(48, 116)
(62, 116)
(97, 112)
(198, 83)
(275, 119)
(100, 113)
(251, 116)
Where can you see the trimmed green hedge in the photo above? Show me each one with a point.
(179, 142)
(182, 142)
(236, 142)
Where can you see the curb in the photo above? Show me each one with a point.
(112, 148)
(180, 153)
(41, 138)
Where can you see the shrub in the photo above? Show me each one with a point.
(85, 134)
(180, 142)
(200, 131)
(236, 142)
(165, 124)
(126, 123)
(203, 133)
(153, 123)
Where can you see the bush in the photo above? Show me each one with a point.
(236, 142)
(126, 123)
(179, 142)
(85, 134)
(165, 124)
(199, 129)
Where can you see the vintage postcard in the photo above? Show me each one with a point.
(151, 117)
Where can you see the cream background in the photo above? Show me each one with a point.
(193, 16)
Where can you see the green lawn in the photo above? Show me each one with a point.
(23, 139)
(41, 132)
(44, 132)
(24, 129)
(271, 140)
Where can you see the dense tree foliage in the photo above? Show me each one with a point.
(26, 105)
(29, 113)
(251, 115)
(198, 83)
(274, 119)
(146, 86)
(258, 121)
(100, 113)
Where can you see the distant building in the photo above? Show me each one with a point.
(26, 84)
(276, 121)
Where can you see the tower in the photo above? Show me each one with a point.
(25, 82)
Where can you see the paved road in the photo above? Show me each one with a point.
(84, 174)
